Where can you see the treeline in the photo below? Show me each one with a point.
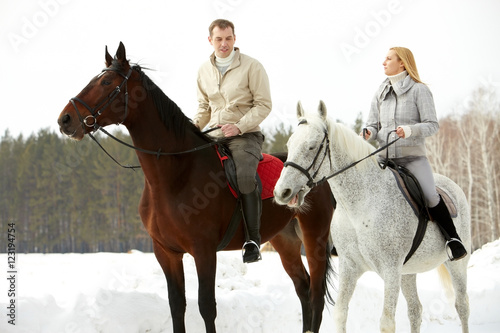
(66, 196)
(466, 149)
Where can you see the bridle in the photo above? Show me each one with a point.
(311, 183)
(307, 171)
(96, 111)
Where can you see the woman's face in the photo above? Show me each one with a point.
(392, 64)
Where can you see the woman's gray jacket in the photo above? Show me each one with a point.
(407, 103)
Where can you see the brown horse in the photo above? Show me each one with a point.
(185, 206)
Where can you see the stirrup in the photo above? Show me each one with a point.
(256, 256)
(449, 252)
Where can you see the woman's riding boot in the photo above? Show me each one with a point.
(442, 217)
(252, 210)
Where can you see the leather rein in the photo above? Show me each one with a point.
(96, 111)
(311, 183)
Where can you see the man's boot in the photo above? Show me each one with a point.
(442, 217)
(252, 210)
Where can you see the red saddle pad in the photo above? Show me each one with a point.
(269, 171)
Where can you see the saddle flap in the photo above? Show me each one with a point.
(449, 203)
(268, 172)
(227, 162)
(406, 190)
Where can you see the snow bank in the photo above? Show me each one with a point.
(109, 292)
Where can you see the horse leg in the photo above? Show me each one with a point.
(318, 259)
(349, 274)
(288, 245)
(172, 266)
(409, 289)
(458, 272)
(206, 264)
(392, 285)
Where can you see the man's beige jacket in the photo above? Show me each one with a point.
(241, 96)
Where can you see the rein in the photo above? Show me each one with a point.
(354, 163)
(97, 110)
(311, 183)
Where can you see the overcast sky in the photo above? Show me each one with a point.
(331, 50)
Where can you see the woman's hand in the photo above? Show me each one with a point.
(403, 132)
(366, 133)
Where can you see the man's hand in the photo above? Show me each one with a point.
(229, 130)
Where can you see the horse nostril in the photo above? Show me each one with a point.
(286, 193)
(65, 119)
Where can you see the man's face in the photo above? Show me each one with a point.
(222, 41)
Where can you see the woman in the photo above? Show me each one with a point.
(404, 106)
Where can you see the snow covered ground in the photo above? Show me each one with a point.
(126, 293)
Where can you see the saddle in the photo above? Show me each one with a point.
(410, 188)
(268, 172)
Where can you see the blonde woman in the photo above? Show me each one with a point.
(405, 106)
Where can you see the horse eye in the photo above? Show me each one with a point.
(106, 83)
(312, 148)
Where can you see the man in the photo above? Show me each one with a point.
(234, 95)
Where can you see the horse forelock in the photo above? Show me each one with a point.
(118, 66)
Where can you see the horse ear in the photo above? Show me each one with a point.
(322, 109)
(300, 110)
(109, 58)
(120, 53)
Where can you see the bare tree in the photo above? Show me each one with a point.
(465, 149)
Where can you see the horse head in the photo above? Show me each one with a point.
(308, 158)
(104, 101)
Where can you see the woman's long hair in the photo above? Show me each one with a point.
(408, 60)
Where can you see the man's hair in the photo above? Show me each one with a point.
(222, 24)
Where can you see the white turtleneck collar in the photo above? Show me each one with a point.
(398, 77)
(225, 62)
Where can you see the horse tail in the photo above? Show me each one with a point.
(330, 274)
(445, 278)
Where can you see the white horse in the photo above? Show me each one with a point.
(373, 225)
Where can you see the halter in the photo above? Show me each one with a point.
(96, 111)
(326, 153)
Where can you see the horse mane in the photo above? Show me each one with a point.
(355, 147)
(170, 114)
